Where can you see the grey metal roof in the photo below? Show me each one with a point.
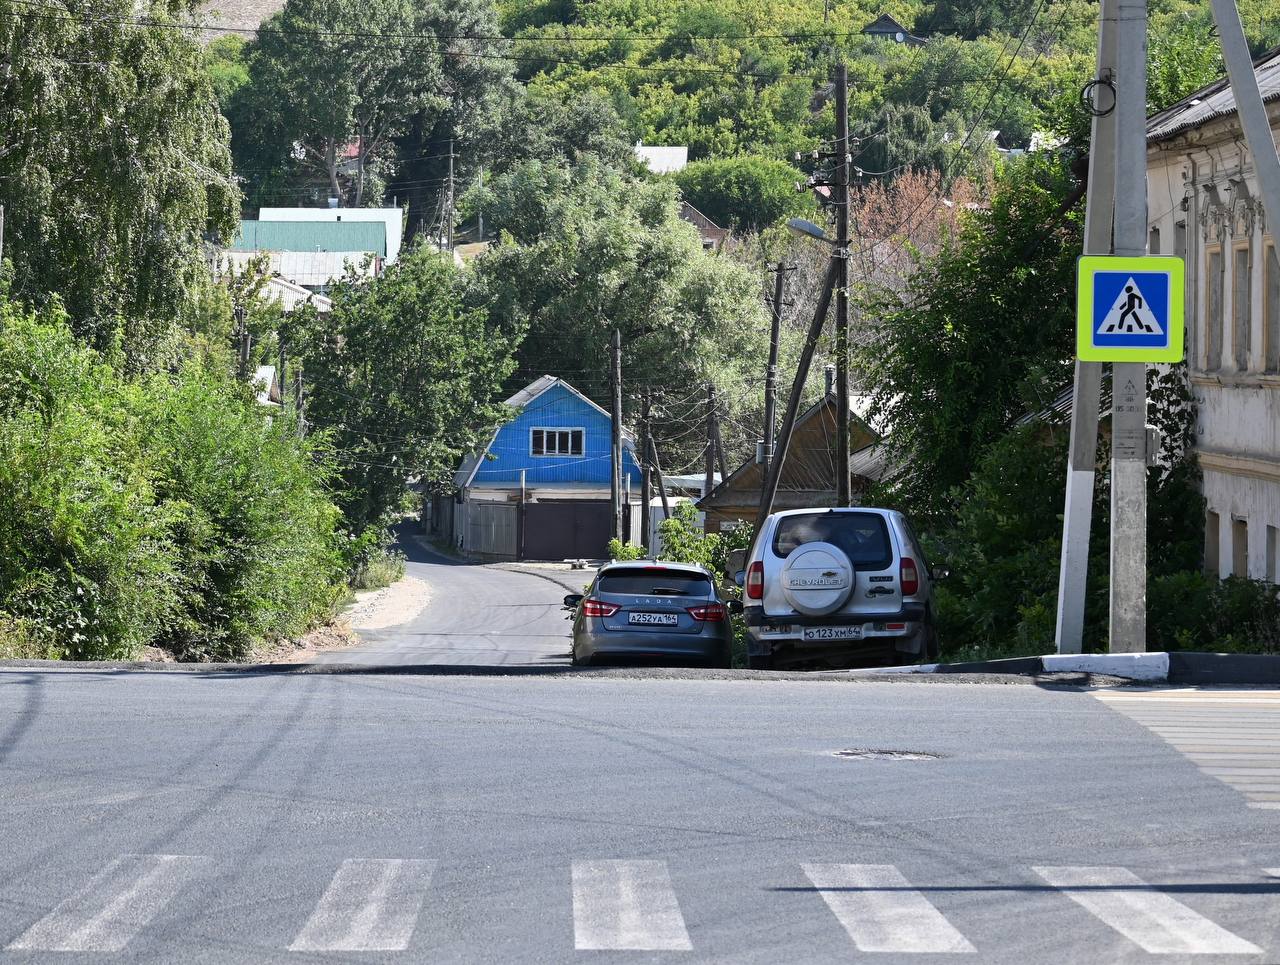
(1214, 100)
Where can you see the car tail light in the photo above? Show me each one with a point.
(755, 581)
(909, 577)
(895, 626)
(709, 613)
(598, 608)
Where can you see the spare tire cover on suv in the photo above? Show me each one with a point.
(817, 578)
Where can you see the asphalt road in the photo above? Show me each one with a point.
(478, 616)
(205, 817)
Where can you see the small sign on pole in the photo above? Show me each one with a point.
(1129, 309)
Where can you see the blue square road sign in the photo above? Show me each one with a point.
(1129, 309)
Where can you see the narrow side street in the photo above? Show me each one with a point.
(476, 616)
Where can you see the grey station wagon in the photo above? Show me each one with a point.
(651, 611)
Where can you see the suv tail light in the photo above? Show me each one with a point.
(909, 577)
(598, 608)
(708, 614)
(755, 581)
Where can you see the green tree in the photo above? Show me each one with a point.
(585, 250)
(164, 509)
(745, 193)
(321, 75)
(981, 334)
(114, 163)
(401, 377)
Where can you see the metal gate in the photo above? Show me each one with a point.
(491, 529)
(573, 529)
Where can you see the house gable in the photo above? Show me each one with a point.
(550, 404)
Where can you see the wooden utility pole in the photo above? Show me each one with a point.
(716, 440)
(842, 284)
(797, 391)
(280, 376)
(645, 522)
(709, 452)
(615, 379)
(451, 200)
(662, 486)
(771, 373)
(242, 334)
(297, 401)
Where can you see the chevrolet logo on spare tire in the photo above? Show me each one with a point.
(831, 573)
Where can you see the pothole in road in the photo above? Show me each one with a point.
(872, 754)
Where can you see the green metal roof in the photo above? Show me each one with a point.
(311, 236)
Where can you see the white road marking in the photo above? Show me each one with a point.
(626, 905)
(371, 905)
(1151, 919)
(115, 905)
(882, 912)
(1231, 735)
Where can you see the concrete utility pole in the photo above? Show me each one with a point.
(1, 232)
(797, 391)
(1129, 379)
(1253, 115)
(645, 492)
(615, 379)
(842, 284)
(1077, 516)
(771, 373)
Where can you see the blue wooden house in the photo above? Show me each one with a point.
(541, 489)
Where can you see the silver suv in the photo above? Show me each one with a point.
(838, 587)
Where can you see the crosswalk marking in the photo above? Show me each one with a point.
(371, 905)
(1231, 735)
(115, 905)
(881, 911)
(1151, 919)
(626, 905)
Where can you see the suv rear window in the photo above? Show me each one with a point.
(654, 581)
(863, 536)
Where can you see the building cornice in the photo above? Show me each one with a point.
(1255, 467)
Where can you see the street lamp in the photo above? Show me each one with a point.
(807, 229)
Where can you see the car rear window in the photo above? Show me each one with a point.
(654, 581)
(863, 536)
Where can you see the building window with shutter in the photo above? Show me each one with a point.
(1271, 308)
(555, 442)
(1213, 309)
(1241, 306)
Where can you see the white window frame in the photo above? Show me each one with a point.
(582, 436)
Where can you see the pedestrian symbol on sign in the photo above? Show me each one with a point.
(1130, 313)
(1130, 309)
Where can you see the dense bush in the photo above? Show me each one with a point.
(1195, 611)
(167, 511)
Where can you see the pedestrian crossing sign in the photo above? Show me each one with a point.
(1129, 309)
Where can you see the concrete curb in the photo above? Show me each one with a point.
(1160, 667)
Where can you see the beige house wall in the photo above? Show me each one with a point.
(1203, 201)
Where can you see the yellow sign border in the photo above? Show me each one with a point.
(1089, 265)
